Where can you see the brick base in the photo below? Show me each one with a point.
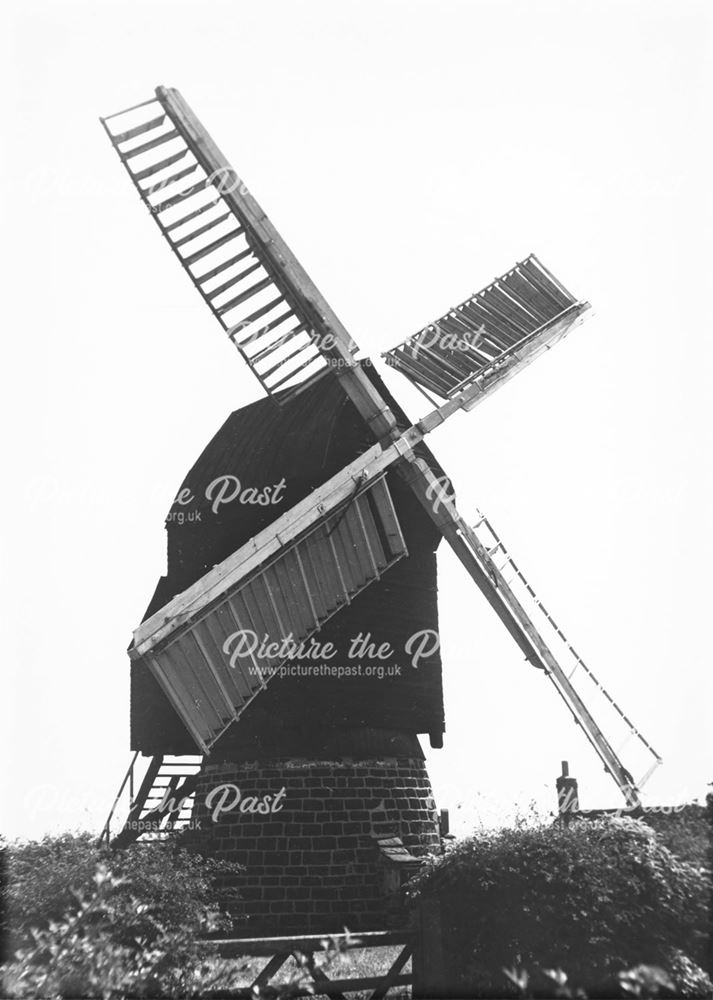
(313, 866)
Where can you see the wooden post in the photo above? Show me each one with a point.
(567, 795)
(429, 974)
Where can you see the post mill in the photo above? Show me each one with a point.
(289, 658)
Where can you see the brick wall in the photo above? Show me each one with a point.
(313, 866)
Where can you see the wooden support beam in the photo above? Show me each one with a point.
(428, 964)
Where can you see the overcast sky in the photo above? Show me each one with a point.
(409, 153)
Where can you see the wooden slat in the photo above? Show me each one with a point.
(132, 133)
(421, 360)
(177, 199)
(199, 685)
(201, 229)
(349, 530)
(244, 296)
(298, 599)
(235, 688)
(321, 599)
(282, 339)
(399, 359)
(532, 300)
(154, 168)
(265, 622)
(214, 293)
(519, 316)
(232, 616)
(166, 182)
(288, 357)
(224, 622)
(185, 710)
(191, 215)
(547, 288)
(242, 613)
(245, 947)
(219, 268)
(298, 369)
(255, 316)
(151, 144)
(210, 247)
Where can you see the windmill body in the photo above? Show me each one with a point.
(293, 643)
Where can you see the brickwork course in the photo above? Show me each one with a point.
(314, 865)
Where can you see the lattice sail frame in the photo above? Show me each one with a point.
(266, 303)
(198, 646)
(473, 341)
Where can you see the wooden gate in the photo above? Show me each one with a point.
(422, 945)
(312, 980)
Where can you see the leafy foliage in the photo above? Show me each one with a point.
(684, 830)
(593, 898)
(86, 922)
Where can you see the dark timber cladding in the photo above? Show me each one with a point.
(286, 453)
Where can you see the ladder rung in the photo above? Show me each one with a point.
(155, 167)
(235, 280)
(262, 311)
(202, 229)
(219, 289)
(283, 361)
(167, 181)
(146, 146)
(299, 368)
(138, 129)
(191, 215)
(282, 339)
(247, 294)
(163, 206)
(223, 266)
(215, 245)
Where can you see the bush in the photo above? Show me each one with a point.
(88, 922)
(594, 898)
(684, 830)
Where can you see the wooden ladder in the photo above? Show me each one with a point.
(163, 803)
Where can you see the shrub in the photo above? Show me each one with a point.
(684, 830)
(593, 898)
(86, 922)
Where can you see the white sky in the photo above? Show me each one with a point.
(408, 152)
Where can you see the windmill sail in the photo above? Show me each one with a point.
(568, 672)
(238, 262)
(216, 645)
(482, 342)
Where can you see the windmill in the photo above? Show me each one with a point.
(312, 560)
